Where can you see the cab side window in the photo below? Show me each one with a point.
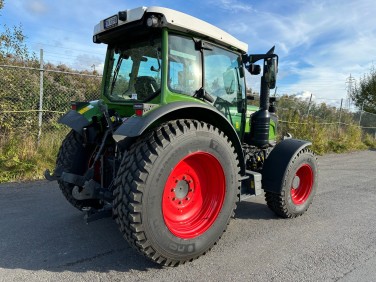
(184, 65)
(222, 75)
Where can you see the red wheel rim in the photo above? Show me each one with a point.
(193, 195)
(301, 185)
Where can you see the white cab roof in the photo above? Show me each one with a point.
(181, 22)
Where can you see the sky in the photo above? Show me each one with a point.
(320, 43)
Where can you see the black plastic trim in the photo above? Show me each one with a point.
(276, 164)
(74, 120)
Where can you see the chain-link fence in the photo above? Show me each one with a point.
(32, 99)
(300, 112)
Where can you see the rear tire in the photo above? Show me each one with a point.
(298, 186)
(74, 158)
(176, 190)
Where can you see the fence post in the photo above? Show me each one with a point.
(309, 105)
(340, 112)
(361, 112)
(40, 118)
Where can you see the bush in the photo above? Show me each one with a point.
(20, 161)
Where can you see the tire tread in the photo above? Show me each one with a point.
(130, 184)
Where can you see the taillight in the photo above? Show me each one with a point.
(74, 106)
(138, 109)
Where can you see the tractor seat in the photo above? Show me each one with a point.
(145, 86)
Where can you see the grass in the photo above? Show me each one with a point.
(22, 159)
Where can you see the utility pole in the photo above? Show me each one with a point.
(349, 81)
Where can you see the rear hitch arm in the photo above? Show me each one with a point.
(55, 175)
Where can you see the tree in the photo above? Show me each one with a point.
(12, 45)
(364, 95)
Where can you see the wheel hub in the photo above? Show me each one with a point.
(182, 193)
(295, 182)
(182, 189)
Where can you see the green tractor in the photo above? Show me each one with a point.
(171, 146)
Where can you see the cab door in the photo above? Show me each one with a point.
(224, 81)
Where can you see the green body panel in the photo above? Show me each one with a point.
(89, 109)
(272, 130)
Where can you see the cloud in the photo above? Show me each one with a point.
(88, 62)
(37, 7)
(233, 6)
(305, 95)
(319, 44)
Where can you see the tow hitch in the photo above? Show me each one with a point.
(85, 188)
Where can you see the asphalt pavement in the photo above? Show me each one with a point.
(43, 238)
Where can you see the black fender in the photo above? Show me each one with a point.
(277, 162)
(74, 120)
(135, 125)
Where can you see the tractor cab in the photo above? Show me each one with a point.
(157, 56)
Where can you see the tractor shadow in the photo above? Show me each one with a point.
(41, 231)
(251, 210)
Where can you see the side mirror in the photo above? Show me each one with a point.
(270, 74)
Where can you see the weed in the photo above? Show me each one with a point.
(21, 158)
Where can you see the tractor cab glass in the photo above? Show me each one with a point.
(134, 71)
(185, 76)
(223, 79)
(215, 69)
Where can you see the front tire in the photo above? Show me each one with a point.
(299, 186)
(176, 190)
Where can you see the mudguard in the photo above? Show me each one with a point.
(135, 126)
(82, 116)
(277, 162)
(74, 120)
